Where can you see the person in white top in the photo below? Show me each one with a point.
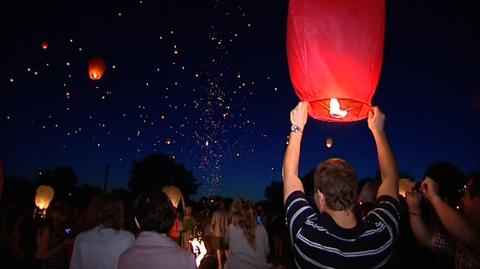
(100, 247)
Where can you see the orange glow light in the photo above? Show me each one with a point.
(96, 68)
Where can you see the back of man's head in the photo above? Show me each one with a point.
(154, 212)
(337, 180)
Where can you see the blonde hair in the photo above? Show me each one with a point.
(242, 215)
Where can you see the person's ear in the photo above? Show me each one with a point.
(320, 199)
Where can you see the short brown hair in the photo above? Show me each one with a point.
(337, 180)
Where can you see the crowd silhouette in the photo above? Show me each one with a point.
(327, 218)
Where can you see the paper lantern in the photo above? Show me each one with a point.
(405, 185)
(329, 142)
(335, 53)
(174, 194)
(44, 196)
(44, 45)
(96, 68)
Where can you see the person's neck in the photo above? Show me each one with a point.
(344, 218)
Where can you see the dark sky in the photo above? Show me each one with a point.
(207, 83)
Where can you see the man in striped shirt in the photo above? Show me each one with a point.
(334, 238)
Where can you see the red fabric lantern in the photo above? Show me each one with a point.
(335, 53)
(96, 68)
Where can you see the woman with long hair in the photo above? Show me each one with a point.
(101, 246)
(246, 238)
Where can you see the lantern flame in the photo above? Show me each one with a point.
(199, 250)
(335, 110)
(44, 196)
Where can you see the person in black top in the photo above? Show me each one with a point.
(334, 238)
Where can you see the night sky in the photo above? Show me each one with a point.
(207, 83)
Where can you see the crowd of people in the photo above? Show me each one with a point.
(339, 226)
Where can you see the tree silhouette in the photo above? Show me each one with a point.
(158, 170)
(62, 179)
(274, 194)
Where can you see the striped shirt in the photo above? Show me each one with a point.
(318, 242)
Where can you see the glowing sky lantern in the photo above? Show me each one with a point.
(174, 194)
(329, 142)
(43, 197)
(405, 185)
(335, 53)
(44, 45)
(96, 68)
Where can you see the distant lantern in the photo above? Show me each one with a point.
(44, 45)
(174, 194)
(335, 53)
(329, 142)
(43, 197)
(96, 68)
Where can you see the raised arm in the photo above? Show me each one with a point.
(388, 165)
(455, 224)
(422, 232)
(291, 181)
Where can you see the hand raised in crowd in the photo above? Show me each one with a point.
(299, 115)
(414, 200)
(429, 188)
(376, 120)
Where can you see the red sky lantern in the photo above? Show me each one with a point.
(44, 45)
(96, 68)
(335, 53)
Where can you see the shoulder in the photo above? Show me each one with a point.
(296, 203)
(386, 211)
(126, 234)
(388, 204)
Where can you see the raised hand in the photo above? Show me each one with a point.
(414, 200)
(376, 120)
(429, 188)
(299, 115)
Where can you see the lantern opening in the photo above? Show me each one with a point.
(355, 110)
(335, 110)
